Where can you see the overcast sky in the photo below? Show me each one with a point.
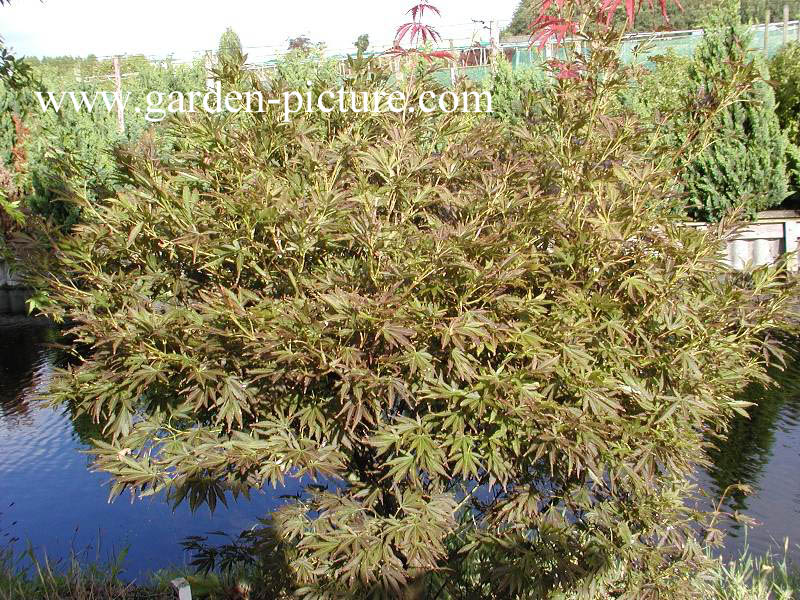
(184, 27)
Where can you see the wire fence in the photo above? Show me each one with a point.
(635, 47)
(473, 56)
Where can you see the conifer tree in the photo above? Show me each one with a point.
(229, 44)
(784, 70)
(745, 166)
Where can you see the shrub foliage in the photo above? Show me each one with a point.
(785, 73)
(492, 350)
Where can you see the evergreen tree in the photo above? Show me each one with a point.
(746, 164)
(229, 45)
(521, 21)
(516, 93)
(362, 43)
(784, 71)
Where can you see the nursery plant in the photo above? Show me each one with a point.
(490, 354)
(744, 167)
(785, 74)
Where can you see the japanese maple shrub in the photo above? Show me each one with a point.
(494, 349)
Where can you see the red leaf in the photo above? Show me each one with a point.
(546, 27)
(401, 32)
(609, 7)
(630, 9)
(419, 9)
(441, 54)
(429, 56)
(416, 29)
(397, 51)
(565, 70)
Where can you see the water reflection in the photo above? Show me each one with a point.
(24, 365)
(49, 496)
(12, 301)
(763, 452)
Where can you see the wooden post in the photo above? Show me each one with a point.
(118, 90)
(453, 74)
(785, 24)
(494, 37)
(766, 33)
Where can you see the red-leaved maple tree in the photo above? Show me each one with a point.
(417, 31)
(557, 19)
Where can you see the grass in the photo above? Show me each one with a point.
(749, 577)
(41, 581)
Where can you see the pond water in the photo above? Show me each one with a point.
(50, 498)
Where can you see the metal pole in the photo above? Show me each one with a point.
(766, 33)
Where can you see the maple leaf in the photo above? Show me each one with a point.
(565, 70)
(546, 27)
(609, 7)
(419, 10)
(416, 29)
